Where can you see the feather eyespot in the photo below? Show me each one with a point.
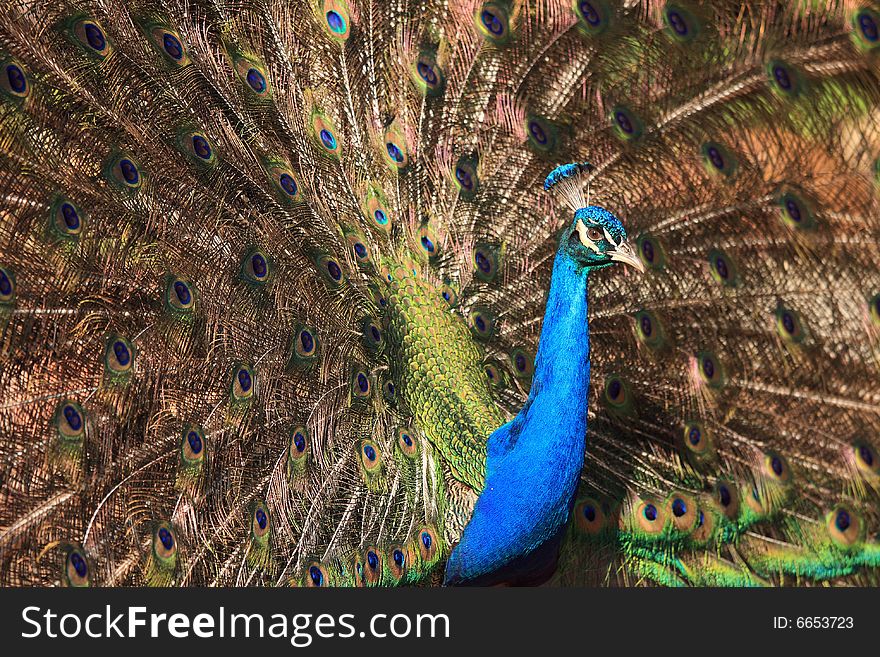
(124, 172)
(376, 211)
(723, 268)
(196, 146)
(330, 270)
(646, 326)
(449, 295)
(466, 180)
(427, 545)
(428, 76)
(395, 148)
(428, 242)
(255, 267)
(172, 47)
(537, 132)
(398, 562)
(727, 498)
(70, 420)
(7, 286)
(866, 459)
(360, 384)
(305, 343)
(285, 182)
(389, 392)
(192, 445)
(256, 80)
(541, 133)
(590, 516)
(794, 211)
(253, 76)
(304, 346)
(844, 525)
(719, 160)
(243, 382)
(760, 500)
(288, 185)
(335, 22)
(785, 80)
(696, 438)
(710, 370)
(595, 15)
(650, 517)
(316, 575)
(260, 521)
(168, 44)
(493, 22)
(179, 295)
(789, 325)
(649, 329)
(627, 125)
(426, 72)
(617, 392)
(407, 443)
(14, 81)
(873, 308)
(865, 24)
(164, 544)
(76, 568)
(482, 323)
(651, 252)
(775, 468)
(485, 261)
(680, 23)
(358, 245)
(704, 527)
(375, 295)
(523, 363)
(370, 457)
(326, 135)
(91, 36)
(67, 219)
(683, 512)
(299, 443)
(357, 570)
(372, 334)
(394, 152)
(496, 376)
(337, 19)
(118, 355)
(372, 566)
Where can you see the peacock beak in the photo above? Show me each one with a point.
(625, 253)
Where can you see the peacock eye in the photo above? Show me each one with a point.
(594, 234)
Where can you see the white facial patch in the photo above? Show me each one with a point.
(609, 237)
(581, 228)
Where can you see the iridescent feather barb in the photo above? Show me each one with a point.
(272, 273)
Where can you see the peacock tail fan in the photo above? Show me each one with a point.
(272, 272)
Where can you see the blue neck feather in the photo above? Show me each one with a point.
(534, 461)
(563, 360)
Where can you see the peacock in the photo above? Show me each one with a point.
(439, 292)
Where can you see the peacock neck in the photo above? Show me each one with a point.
(562, 362)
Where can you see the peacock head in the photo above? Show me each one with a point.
(597, 239)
